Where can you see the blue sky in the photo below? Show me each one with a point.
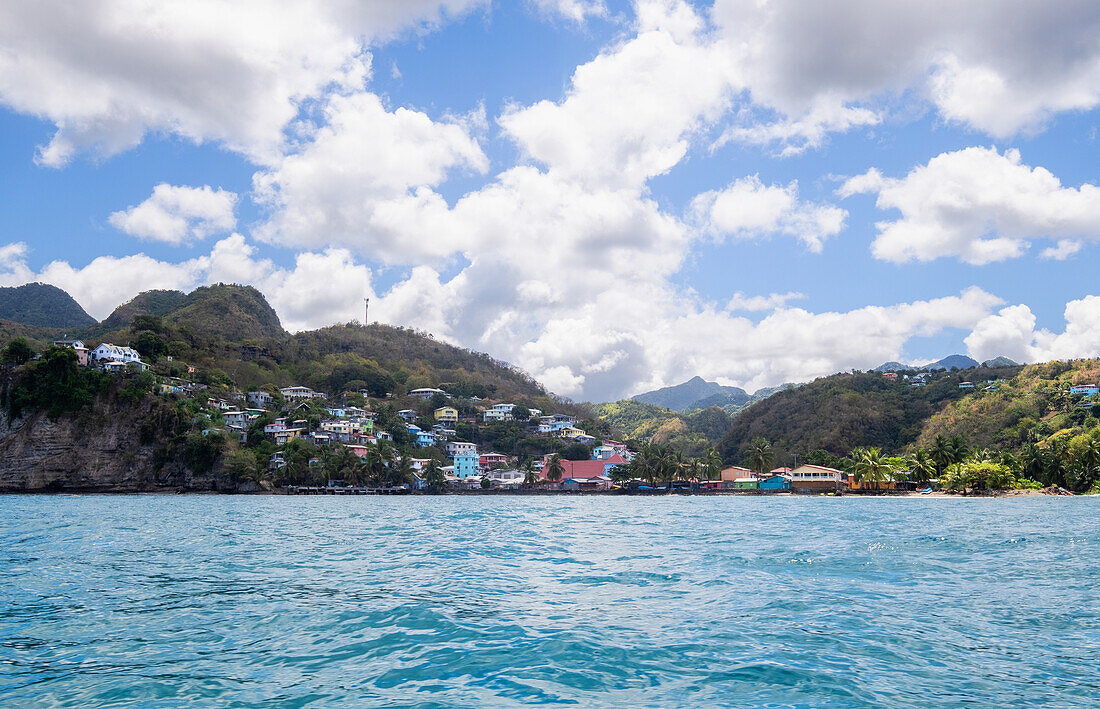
(612, 195)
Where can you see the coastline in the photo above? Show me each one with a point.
(343, 492)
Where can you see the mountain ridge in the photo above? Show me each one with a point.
(43, 305)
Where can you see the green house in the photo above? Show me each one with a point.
(746, 483)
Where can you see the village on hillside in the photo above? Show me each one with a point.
(419, 429)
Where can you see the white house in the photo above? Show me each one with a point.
(426, 393)
(300, 393)
(500, 412)
(456, 448)
(259, 399)
(113, 353)
(236, 418)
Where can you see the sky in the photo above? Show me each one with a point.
(613, 196)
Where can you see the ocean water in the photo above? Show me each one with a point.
(184, 601)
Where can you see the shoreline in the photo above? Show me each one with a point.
(339, 492)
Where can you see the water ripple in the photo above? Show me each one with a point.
(456, 602)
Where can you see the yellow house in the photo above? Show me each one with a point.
(446, 414)
(571, 432)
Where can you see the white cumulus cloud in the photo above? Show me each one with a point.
(1012, 332)
(977, 205)
(747, 208)
(106, 72)
(179, 214)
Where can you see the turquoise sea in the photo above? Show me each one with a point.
(184, 601)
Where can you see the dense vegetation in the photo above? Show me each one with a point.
(692, 432)
(157, 303)
(841, 412)
(42, 305)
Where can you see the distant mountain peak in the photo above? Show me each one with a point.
(683, 397)
(955, 360)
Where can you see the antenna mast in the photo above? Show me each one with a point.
(366, 311)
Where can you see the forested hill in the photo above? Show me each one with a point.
(841, 412)
(42, 305)
(232, 336)
(1037, 405)
(157, 303)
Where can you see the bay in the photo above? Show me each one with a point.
(152, 600)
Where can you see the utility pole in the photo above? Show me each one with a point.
(366, 311)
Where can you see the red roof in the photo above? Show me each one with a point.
(586, 468)
(781, 471)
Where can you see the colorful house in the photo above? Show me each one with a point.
(78, 347)
(466, 466)
(287, 435)
(1085, 389)
(752, 483)
(733, 473)
(775, 482)
(488, 460)
(446, 414)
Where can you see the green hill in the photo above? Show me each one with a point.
(42, 305)
(229, 312)
(1035, 404)
(693, 432)
(841, 412)
(154, 302)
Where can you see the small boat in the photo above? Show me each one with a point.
(926, 491)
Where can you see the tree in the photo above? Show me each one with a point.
(530, 477)
(149, 345)
(521, 413)
(760, 455)
(921, 466)
(712, 464)
(554, 469)
(18, 351)
(434, 477)
(241, 466)
(869, 466)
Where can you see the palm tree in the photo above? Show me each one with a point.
(870, 466)
(760, 455)
(712, 464)
(957, 449)
(941, 456)
(921, 466)
(554, 469)
(399, 472)
(434, 477)
(530, 477)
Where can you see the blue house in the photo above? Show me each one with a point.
(466, 465)
(775, 482)
(1085, 389)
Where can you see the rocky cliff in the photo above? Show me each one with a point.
(97, 450)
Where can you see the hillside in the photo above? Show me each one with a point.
(843, 411)
(683, 397)
(692, 432)
(234, 313)
(42, 305)
(157, 303)
(1034, 404)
